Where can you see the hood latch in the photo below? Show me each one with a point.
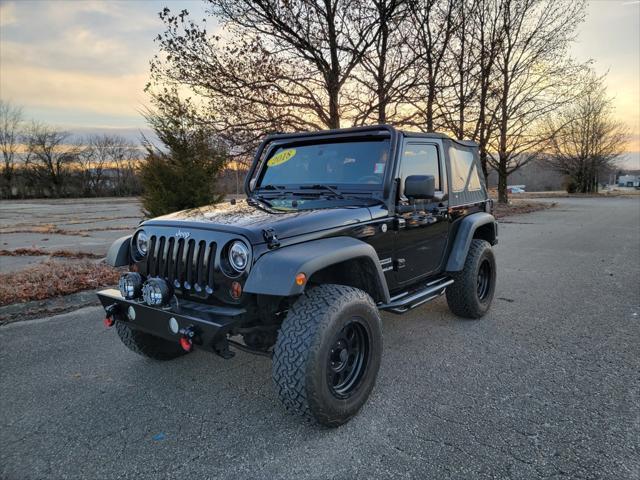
(270, 237)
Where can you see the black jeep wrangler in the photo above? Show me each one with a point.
(337, 226)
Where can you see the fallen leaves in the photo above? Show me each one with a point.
(501, 210)
(54, 278)
(38, 252)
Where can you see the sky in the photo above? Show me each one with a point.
(83, 64)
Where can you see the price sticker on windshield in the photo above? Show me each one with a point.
(282, 157)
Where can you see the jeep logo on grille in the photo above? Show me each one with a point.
(181, 234)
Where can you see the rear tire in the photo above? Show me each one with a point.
(328, 354)
(148, 345)
(471, 294)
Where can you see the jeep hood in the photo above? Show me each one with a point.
(249, 219)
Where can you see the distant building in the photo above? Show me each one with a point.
(629, 181)
(533, 177)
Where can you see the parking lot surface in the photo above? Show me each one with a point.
(547, 385)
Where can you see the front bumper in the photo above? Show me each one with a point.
(207, 325)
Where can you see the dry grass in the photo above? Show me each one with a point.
(519, 207)
(48, 229)
(38, 252)
(51, 279)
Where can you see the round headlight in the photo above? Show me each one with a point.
(239, 256)
(130, 285)
(142, 243)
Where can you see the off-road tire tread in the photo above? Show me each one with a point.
(299, 337)
(148, 345)
(461, 295)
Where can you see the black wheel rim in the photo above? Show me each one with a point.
(347, 360)
(484, 280)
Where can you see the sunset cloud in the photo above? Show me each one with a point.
(84, 60)
(85, 63)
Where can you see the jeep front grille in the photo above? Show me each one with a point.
(187, 264)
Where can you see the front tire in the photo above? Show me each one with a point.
(148, 345)
(328, 354)
(471, 294)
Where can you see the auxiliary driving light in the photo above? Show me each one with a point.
(130, 285)
(156, 291)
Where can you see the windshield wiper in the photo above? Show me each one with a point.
(269, 186)
(319, 186)
(261, 199)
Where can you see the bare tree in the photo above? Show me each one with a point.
(434, 23)
(10, 132)
(585, 138)
(50, 154)
(470, 71)
(381, 88)
(276, 66)
(104, 154)
(535, 78)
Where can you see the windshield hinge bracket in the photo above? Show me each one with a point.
(270, 237)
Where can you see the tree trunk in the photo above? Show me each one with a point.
(384, 39)
(483, 163)
(503, 195)
(334, 110)
(430, 101)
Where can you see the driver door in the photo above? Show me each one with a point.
(422, 234)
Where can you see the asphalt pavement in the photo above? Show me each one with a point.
(547, 385)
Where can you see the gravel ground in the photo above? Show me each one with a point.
(545, 386)
(89, 225)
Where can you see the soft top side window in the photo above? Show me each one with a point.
(420, 159)
(463, 170)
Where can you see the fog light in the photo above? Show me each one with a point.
(156, 291)
(130, 285)
(131, 313)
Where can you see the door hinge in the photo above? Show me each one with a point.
(399, 223)
(399, 263)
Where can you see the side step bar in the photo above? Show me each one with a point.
(409, 300)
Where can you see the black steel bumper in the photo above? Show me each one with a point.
(206, 325)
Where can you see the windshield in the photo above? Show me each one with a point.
(339, 163)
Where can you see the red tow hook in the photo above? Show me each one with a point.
(186, 340)
(109, 319)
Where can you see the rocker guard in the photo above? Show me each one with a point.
(210, 323)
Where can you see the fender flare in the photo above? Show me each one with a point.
(274, 273)
(119, 254)
(464, 235)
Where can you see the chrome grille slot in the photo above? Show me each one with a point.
(188, 265)
(188, 280)
(179, 278)
(200, 266)
(151, 257)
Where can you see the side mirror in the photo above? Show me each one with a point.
(420, 186)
